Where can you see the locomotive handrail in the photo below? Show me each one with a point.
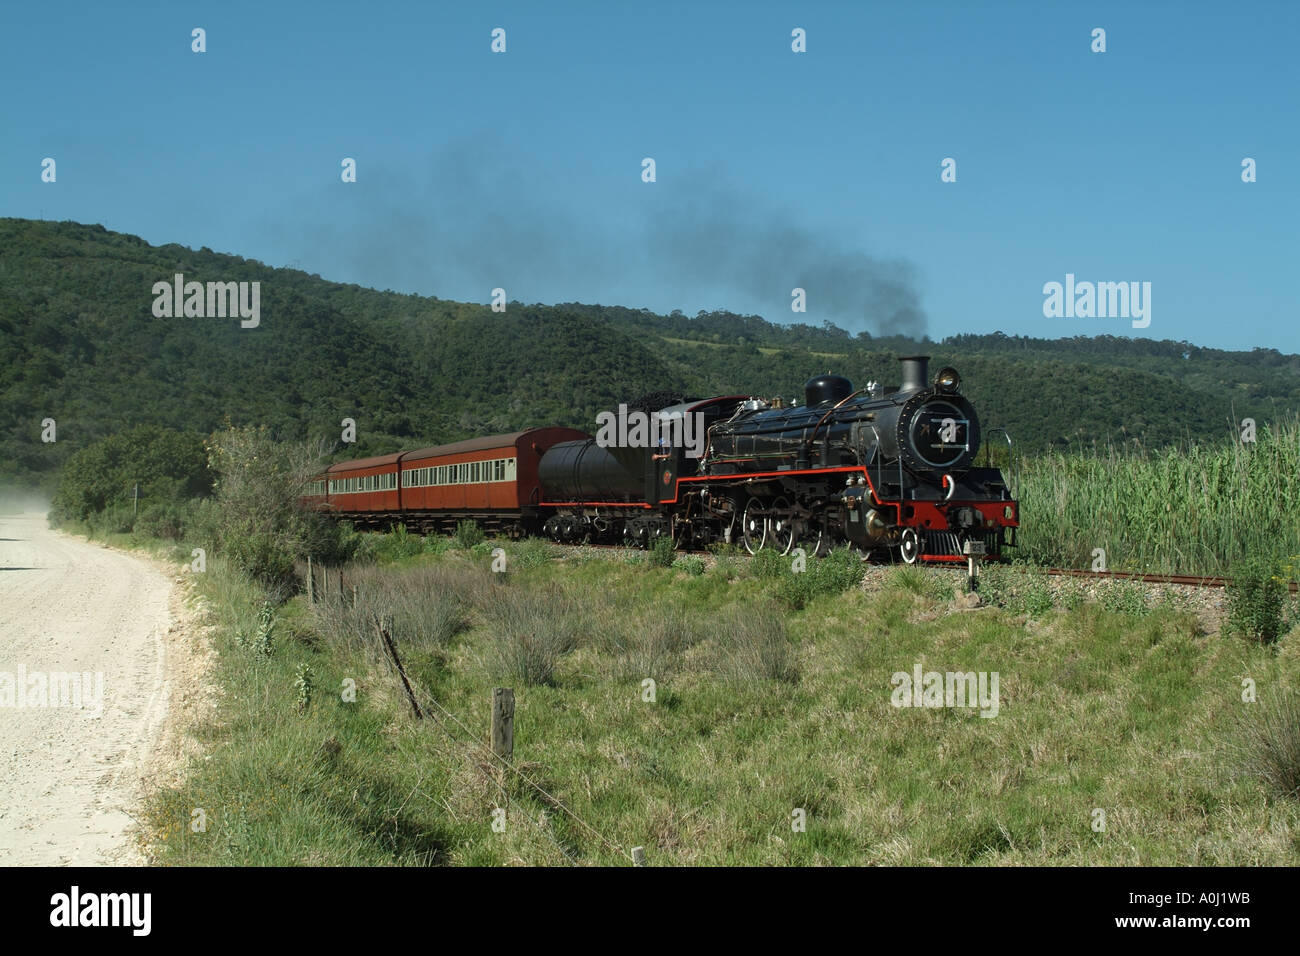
(821, 421)
(876, 455)
(1011, 460)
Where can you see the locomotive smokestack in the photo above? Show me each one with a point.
(915, 370)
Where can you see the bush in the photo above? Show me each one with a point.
(115, 519)
(653, 644)
(264, 558)
(1123, 596)
(839, 571)
(691, 564)
(1266, 747)
(661, 552)
(1255, 600)
(752, 645)
(768, 563)
(328, 541)
(531, 553)
(169, 466)
(164, 521)
(428, 604)
(392, 546)
(724, 566)
(1036, 597)
(203, 523)
(529, 632)
(468, 534)
(437, 544)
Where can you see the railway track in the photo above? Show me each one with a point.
(1191, 580)
(1194, 580)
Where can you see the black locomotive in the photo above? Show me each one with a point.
(888, 470)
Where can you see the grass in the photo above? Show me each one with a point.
(1199, 509)
(757, 710)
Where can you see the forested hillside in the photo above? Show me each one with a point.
(79, 344)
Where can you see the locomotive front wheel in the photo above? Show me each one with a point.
(910, 546)
(753, 526)
(780, 529)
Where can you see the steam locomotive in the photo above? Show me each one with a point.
(889, 471)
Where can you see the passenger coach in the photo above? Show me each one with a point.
(492, 480)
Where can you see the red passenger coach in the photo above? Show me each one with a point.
(492, 480)
(364, 486)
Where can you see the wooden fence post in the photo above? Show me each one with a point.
(384, 627)
(311, 582)
(503, 726)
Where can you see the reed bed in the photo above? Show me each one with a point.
(1197, 509)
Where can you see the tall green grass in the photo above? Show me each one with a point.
(1197, 509)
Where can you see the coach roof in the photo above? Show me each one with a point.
(486, 443)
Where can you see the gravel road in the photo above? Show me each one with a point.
(70, 777)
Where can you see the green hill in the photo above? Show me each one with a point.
(79, 343)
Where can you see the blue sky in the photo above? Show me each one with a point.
(523, 170)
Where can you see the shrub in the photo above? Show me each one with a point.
(839, 571)
(328, 541)
(654, 643)
(724, 566)
(1123, 596)
(1255, 600)
(165, 521)
(391, 546)
(1266, 744)
(429, 605)
(437, 544)
(1072, 595)
(768, 563)
(752, 644)
(169, 466)
(468, 534)
(661, 553)
(1036, 597)
(532, 553)
(115, 519)
(263, 557)
(691, 564)
(529, 632)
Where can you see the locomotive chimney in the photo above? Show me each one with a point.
(915, 369)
